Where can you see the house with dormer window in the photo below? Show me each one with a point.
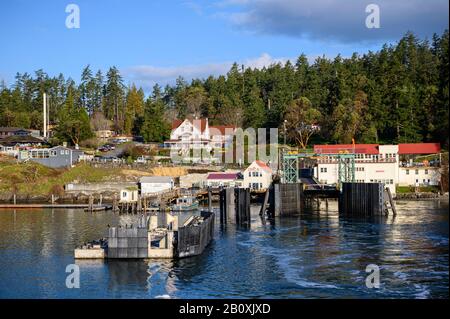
(197, 134)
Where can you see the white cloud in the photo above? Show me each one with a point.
(148, 75)
(194, 6)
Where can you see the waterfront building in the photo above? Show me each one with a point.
(55, 157)
(197, 134)
(224, 179)
(393, 165)
(155, 184)
(129, 195)
(258, 176)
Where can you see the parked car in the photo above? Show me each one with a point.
(112, 159)
(141, 160)
(107, 148)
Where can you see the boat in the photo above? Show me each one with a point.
(185, 203)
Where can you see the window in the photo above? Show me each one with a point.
(260, 185)
(124, 194)
(323, 169)
(62, 152)
(407, 172)
(391, 181)
(249, 174)
(417, 172)
(426, 172)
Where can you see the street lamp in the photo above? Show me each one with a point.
(284, 127)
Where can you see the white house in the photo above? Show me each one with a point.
(9, 150)
(155, 184)
(380, 164)
(258, 176)
(197, 133)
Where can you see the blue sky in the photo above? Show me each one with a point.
(155, 41)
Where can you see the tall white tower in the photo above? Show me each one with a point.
(45, 114)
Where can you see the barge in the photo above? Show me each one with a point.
(158, 236)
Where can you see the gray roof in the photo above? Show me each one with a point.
(9, 129)
(15, 139)
(156, 179)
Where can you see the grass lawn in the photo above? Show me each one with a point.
(35, 179)
(422, 189)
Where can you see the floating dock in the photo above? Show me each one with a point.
(156, 236)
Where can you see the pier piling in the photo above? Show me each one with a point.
(362, 199)
(235, 201)
(285, 199)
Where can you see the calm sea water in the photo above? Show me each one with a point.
(317, 255)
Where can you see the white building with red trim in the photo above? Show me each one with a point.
(393, 165)
(197, 133)
(257, 176)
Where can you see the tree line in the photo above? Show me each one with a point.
(397, 94)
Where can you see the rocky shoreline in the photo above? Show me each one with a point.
(421, 196)
(73, 198)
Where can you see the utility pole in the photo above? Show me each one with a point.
(243, 80)
(44, 111)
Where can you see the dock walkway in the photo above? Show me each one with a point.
(25, 206)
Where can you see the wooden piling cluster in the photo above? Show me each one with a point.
(141, 205)
(235, 206)
(285, 199)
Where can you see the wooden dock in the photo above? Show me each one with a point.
(41, 206)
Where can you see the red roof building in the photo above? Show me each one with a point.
(347, 148)
(419, 148)
(409, 148)
(222, 176)
(201, 124)
(263, 165)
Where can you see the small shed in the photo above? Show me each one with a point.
(129, 195)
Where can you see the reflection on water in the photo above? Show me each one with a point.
(317, 255)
